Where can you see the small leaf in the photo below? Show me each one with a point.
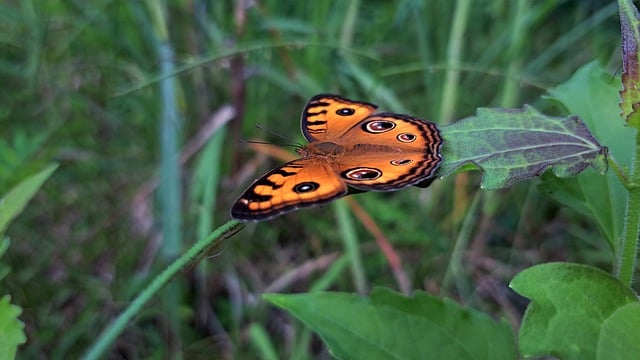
(17, 198)
(512, 145)
(388, 325)
(11, 328)
(571, 307)
(630, 93)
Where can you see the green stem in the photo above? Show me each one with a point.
(628, 250)
(351, 245)
(183, 262)
(510, 91)
(455, 269)
(454, 54)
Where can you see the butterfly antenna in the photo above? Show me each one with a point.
(274, 133)
(296, 146)
(290, 142)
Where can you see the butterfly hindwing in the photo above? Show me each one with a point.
(299, 183)
(389, 151)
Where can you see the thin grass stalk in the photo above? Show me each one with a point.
(423, 32)
(565, 41)
(349, 24)
(260, 339)
(454, 55)
(194, 254)
(511, 86)
(206, 181)
(35, 46)
(170, 189)
(345, 223)
(302, 344)
(455, 269)
(331, 275)
(351, 246)
(510, 91)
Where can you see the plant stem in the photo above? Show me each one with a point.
(628, 250)
(454, 54)
(351, 246)
(183, 262)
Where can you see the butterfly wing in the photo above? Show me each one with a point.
(300, 183)
(348, 146)
(327, 117)
(388, 151)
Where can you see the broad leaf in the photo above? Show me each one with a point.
(619, 334)
(592, 94)
(572, 314)
(630, 94)
(11, 329)
(17, 198)
(514, 145)
(388, 325)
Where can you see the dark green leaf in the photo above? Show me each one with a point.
(512, 145)
(388, 325)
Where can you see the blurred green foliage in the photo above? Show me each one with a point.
(81, 86)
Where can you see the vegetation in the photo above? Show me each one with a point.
(128, 116)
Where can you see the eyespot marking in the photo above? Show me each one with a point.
(401, 162)
(378, 126)
(306, 187)
(362, 174)
(407, 138)
(345, 111)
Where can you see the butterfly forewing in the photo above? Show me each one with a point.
(299, 183)
(328, 117)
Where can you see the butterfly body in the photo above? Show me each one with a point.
(349, 147)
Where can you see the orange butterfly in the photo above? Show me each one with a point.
(350, 149)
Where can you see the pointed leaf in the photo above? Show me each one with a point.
(570, 310)
(17, 198)
(11, 329)
(630, 93)
(388, 325)
(512, 145)
(592, 94)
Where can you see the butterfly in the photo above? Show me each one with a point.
(351, 149)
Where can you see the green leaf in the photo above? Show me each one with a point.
(4, 268)
(11, 328)
(630, 94)
(572, 313)
(16, 156)
(17, 198)
(592, 94)
(512, 145)
(619, 335)
(388, 325)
